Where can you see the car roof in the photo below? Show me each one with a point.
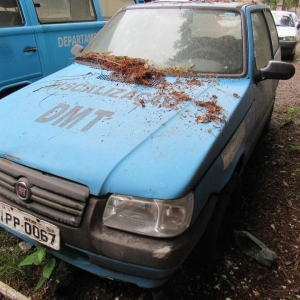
(197, 3)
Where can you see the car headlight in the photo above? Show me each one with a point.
(290, 38)
(159, 218)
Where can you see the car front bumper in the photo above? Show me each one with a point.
(145, 261)
(287, 47)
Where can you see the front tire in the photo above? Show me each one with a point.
(210, 248)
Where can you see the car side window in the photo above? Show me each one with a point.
(273, 31)
(261, 40)
(10, 14)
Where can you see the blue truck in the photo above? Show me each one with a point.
(129, 160)
(36, 36)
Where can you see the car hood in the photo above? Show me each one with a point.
(110, 135)
(284, 31)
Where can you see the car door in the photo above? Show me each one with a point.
(265, 48)
(19, 55)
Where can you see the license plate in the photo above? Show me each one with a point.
(35, 228)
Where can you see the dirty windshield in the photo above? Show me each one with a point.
(198, 40)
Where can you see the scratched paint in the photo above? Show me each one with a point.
(162, 253)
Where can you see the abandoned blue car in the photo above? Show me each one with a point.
(129, 159)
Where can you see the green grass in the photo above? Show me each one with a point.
(292, 113)
(295, 147)
(10, 257)
(29, 277)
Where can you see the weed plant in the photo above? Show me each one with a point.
(10, 256)
(291, 114)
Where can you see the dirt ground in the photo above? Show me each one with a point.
(270, 211)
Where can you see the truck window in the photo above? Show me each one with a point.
(64, 11)
(10, 14)
(110, 7)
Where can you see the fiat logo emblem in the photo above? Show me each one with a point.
(23, 189)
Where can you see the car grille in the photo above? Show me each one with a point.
(56, 198)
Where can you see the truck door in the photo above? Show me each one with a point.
(19, 54)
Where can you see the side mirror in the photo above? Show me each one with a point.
(276, 70)
(76, 50)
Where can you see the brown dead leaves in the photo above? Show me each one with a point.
(130, 70)
(136, 70)
(213, 111)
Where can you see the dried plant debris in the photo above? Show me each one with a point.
(214, 112)
(130, 70)
(142, 102)
(138, 71)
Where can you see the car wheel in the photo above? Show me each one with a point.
(211, 246)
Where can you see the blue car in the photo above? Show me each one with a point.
(129, 159)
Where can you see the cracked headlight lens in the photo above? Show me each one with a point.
(160, 218)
